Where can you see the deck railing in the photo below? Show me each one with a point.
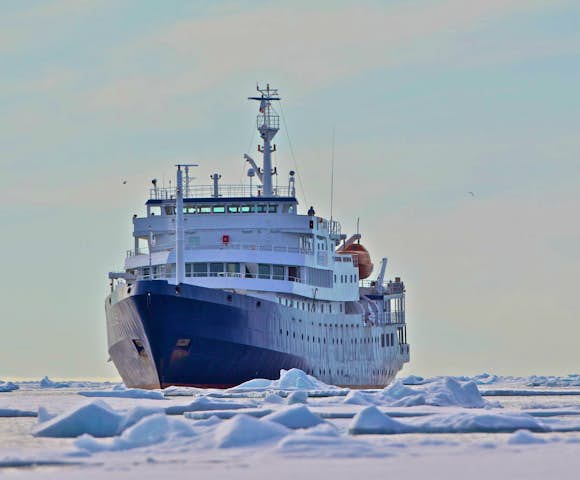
(223, 246)
(224, 191)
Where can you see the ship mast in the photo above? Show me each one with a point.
(268, 123)
(179, 235)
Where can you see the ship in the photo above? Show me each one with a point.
(226, 283)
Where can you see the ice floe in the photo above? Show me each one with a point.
(151, 430)
(225, 414)
(355, 397)
(572, 380)
(525, 437)
(124, 393)
(8, 387)
(46, 382)
(135, 415)
(371, 420)
(299, 396)
(206, 404)
(446, 391)
(297, 416)
(475, 422)
(245, 431)
(96, 418)
(15, 412)
(274, 399)
(413, 380)
(293, 379)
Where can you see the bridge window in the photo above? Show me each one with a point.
(245, 209)
(233, 209)
(261, 208)
(219, 209)
(204, 209)
(272, 208)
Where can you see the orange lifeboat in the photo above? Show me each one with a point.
(365, 266)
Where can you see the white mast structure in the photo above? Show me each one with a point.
(268, 123)
(179, 236)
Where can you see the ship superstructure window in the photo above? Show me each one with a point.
(245, 209)
(264, 270)
(233, 269)
(233, 209)
(215, 269)
(204, 209)
(278, 272)
(261, 208)
(219, 209)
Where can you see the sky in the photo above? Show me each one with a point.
(429, 100)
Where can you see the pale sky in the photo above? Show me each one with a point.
(430, 100)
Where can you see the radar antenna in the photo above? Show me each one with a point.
(268, 124)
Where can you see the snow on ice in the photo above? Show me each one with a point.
(245, 431)
(298, 416)
(293, 417)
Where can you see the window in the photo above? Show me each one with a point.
(215, 269)
(233, 269)
(219, 209)
(233, 209)
(264, 270)
(294, 274)
(204, 209)
(245, 209)
(272, 208)
(278, 272)
(199, 269)
(193, 241)
(261, 208)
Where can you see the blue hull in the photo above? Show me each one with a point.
(161, 335)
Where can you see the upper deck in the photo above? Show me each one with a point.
(209, 193)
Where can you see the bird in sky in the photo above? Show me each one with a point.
(124, 182)
(472, 194)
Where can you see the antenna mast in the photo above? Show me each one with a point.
(332, 173)
(268, 124)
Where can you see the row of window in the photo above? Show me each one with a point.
(218, 209)
(308, 306)
(227, 269)
(386, 339)
(346, 278)
(378, 371)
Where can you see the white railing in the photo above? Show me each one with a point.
(152, 275)
(223, 246)
(224, 191)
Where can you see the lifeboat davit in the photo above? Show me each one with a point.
(365, 266)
